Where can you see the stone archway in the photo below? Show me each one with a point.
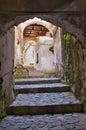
(33, 34)
(61, 20)
(45, 27)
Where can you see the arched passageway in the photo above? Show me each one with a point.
(68, 27)
(70, 16)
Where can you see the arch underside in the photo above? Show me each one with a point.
(56, 19)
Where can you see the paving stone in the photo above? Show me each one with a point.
(45, 103)
(43, 99)
(69, 126)
(45, 122)
(25, 126)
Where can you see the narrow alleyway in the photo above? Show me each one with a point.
(44, 104)
(39, 38)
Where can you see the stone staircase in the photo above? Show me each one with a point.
(43, 96)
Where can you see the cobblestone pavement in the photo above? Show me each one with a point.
(76, 121)
(42, 99)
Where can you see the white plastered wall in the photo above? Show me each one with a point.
(58, 50)
(46, 57)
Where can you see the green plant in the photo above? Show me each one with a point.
(32, 64)
(67, 37)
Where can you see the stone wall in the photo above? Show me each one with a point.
(32, 5)
(7, 64)
(74, 65)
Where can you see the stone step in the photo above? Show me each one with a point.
(40, 88)
(44, 103)
(37, 81)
